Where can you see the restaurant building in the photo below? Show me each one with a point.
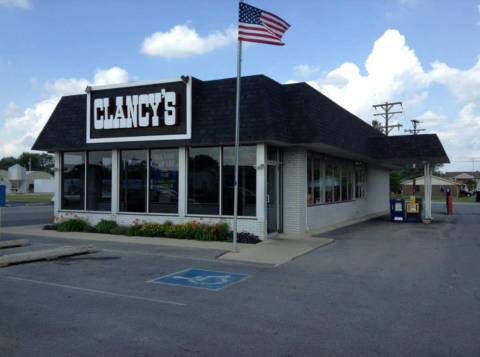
(164, 150)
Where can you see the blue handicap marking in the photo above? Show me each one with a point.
(204, 279)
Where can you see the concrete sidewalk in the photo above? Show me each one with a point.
(278, 250)
(273, 251)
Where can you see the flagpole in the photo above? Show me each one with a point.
(237, 139)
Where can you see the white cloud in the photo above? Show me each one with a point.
(305, 70)
(465, 85)
(430, 119)
(20, 131)
(70, 86)
(22, 4)
(461, 136)
(416, 100)
(182, 41)
(393, 72)
(11, 109)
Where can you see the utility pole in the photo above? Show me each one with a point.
(387, 107)
(415, 131)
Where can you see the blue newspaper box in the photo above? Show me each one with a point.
(2, 195)
(397, 210)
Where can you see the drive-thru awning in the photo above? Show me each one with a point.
(412, 149)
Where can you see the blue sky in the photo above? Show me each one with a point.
(422, 52)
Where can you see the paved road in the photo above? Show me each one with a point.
(381, 289)
(26, 215)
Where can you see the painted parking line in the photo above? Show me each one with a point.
(93, 290)
(201, 279)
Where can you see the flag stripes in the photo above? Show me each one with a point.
(256, 25)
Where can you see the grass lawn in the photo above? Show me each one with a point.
(30, 197)
(443, 199)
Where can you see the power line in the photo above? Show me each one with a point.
(405, 118)
(387, 115)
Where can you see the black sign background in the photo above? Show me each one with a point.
(179, 87)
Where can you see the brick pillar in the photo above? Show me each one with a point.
(295, 190)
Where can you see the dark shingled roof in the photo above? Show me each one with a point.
(405, 149)
(270, 112)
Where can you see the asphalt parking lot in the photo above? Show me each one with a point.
(380, 289)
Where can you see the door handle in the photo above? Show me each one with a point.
(268, 198)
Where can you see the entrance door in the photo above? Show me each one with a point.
(272, 200)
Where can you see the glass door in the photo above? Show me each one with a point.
(272, 200)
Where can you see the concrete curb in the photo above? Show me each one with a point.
(37, 231)
(14, 243)
(48, 254)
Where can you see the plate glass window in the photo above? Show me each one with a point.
(133, 182)
(164, 181)
(204, 181)
(73, 181)
(99, 181)
(247, 181)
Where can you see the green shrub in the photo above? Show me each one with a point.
(105, 226)
(120, 230)
(134, 231)
(153, 230)
(73, 225)
(207, 231)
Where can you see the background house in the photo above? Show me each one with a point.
(470, 179)
(439, 187)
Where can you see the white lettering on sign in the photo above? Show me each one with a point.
(132, 111)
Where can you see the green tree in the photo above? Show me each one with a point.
(40, 162)
(395, 181)
(377, 125)
(7, 162)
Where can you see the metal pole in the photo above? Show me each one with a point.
(237, 138)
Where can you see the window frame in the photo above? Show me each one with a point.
(220, 196)
(149, 177)
(335, 164)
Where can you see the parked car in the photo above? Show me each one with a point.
(466, 193)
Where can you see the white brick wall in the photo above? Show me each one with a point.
(377, 200)
(295, 190)
(295, 209)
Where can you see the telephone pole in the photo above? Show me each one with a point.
(387, 107)
(415, 131)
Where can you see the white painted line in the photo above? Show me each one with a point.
(94, 291)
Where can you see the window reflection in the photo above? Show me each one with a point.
(247, 181)
(164, 181)
(99, 182)
(133, 188)
(204, 180)
(73, 181)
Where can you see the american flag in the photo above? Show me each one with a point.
(260, 26)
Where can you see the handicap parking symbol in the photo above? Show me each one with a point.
(203, 279)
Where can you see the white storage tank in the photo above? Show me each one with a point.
(17, 175)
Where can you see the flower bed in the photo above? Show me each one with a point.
(195, 230)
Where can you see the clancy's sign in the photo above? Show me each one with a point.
(133, 111)
(140, 111)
